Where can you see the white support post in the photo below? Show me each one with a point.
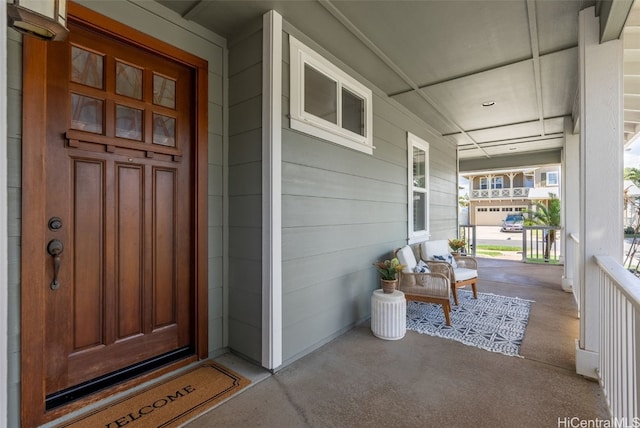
(272, 190)
(511, 177)
(601, 164)
(570, 197)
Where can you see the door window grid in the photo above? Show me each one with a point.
(88, 112)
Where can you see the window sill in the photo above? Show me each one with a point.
(418, 239)
(315, 130)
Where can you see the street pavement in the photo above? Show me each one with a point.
(491, 235)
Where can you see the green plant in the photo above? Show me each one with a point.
(389, 268)
(457, 244)
(547, 215)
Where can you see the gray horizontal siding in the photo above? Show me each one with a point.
(343, 210)
(245, 195)
(305, 180)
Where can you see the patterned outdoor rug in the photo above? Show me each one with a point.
(492, 322)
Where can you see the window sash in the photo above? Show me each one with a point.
(418, 188)
(496, 183)
(353, 101)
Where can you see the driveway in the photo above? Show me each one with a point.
(491, 235)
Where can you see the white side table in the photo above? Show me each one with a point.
(388, 315)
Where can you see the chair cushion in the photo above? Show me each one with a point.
(430, 248)
(421, 267)
(462, 274)
(446, 258)
(407, 258)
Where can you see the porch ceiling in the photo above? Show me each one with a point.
(444, 59)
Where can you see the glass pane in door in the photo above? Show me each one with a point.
(86, 67)
(128, 80)
(86, 113)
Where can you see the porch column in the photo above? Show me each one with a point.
(601, 164)
(272, 190)
(570, 197)
(511, 175)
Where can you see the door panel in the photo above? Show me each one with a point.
(164, 260)
(87, 248)
(130, 245)
(119, 175)
(94, 165)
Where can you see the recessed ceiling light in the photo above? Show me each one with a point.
(488, 103)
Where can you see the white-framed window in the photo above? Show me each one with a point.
(328, 103)
(483, 183)
(418, 188)
(552, 178)
(529, 181)
(496, 182)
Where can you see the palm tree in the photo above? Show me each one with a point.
(632, 174)
(547, 215)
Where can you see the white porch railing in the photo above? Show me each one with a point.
(511, 192)
(619, 367)
(541, 244)
(468, 233)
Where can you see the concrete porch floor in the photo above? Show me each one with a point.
(358, 380)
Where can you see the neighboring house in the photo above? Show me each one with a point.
(493, 194)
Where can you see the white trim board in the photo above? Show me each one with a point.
(272, 190)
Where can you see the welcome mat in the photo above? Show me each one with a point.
(169, 404)
(491, 322)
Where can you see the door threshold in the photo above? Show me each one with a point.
(63, 414)
(92, 386)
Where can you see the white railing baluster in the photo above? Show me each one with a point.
(508, 192)
(619, 339)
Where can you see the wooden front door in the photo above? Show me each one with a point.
(119, 213)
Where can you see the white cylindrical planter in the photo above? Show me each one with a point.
(388, 315)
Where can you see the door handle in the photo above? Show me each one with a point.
(55, 248)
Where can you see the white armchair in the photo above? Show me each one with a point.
(461, 273)
(428, 287)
